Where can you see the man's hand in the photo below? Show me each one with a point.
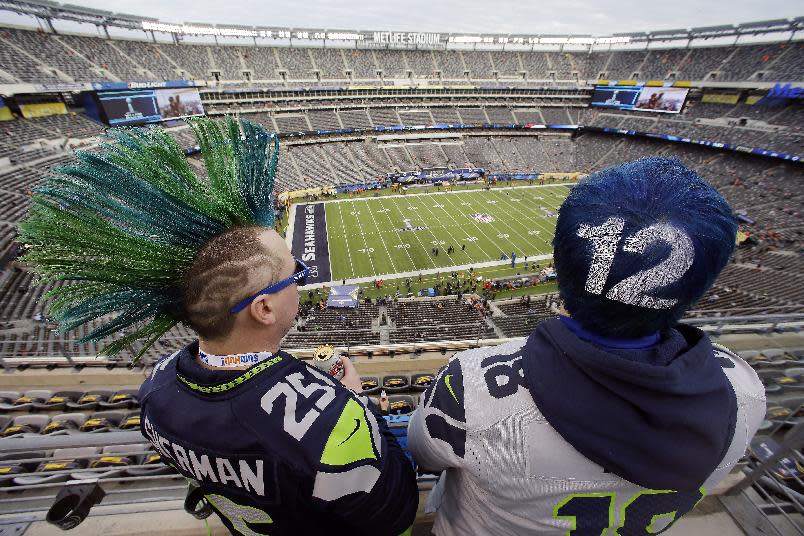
(351, 379)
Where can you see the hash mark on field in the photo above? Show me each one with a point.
(540, 222)
(346, 239)
(457, 192)
(399, 235)
(477, 227)
(390, 258)
(512, 225)
(543, 225)
(436, 240)
(366, 246)
(452, 236)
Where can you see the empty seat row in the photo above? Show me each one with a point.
(80, 463)
(68, 423)
(397, 383)
(48, 400)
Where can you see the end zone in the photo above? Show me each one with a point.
(308, 231)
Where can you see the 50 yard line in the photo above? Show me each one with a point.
(398, 234)
(460, 227)
(491, 240)
(390, 257)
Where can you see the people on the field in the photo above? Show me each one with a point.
(613, 417)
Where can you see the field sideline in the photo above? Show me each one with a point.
(391, 235)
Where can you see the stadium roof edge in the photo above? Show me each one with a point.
(87, 10)
(43, 3)
(135, 17)
(765, 23)
(706, 29)
(240, 26)
(680, 31)
(48, 9)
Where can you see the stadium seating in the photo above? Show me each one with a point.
(766, 191)
(764, 279)
(81, 58)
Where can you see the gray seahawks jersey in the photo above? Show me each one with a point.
(509, 472)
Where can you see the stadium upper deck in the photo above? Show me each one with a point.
(73, 58)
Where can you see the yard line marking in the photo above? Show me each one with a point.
(549, 204)
(365, 243)
(452, 206)
(415, 234)
(492, 240)
(398, 233)
(457, 224)
(513, 228)
(432, 233)
(539, 221)
(438, 220)
(346, 239)
(390, 258)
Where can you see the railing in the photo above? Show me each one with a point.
(758, 324)
(770, 499)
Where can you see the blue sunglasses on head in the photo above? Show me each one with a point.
(299, 277)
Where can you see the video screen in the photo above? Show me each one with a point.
(175, 103)
(642, 99)
(130, 107)
(661, 99)
(140, 106)
(623, 97)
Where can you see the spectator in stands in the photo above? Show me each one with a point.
(613, 416)
(360, 484)
(223, 410)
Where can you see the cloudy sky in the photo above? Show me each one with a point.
(492, 16)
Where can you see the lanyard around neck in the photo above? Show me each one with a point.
(234, 360)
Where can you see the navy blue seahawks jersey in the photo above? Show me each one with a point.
(279, 448)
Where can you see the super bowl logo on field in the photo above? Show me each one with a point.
(482, 217)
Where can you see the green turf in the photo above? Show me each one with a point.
(366, 237)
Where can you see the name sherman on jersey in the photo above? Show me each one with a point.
(279, 443)
(554, 434)
(246, 474)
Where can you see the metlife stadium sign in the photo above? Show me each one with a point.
(407, 38)
(402, 39)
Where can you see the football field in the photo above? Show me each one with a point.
(388, 235)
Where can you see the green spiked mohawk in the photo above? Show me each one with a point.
(123, 225)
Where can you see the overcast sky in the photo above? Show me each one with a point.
(491, 16)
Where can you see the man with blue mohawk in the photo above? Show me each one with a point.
(272, 445)
(614, 417)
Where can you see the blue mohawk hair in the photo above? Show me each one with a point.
(636, 245)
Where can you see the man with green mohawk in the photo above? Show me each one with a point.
(274, 445)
